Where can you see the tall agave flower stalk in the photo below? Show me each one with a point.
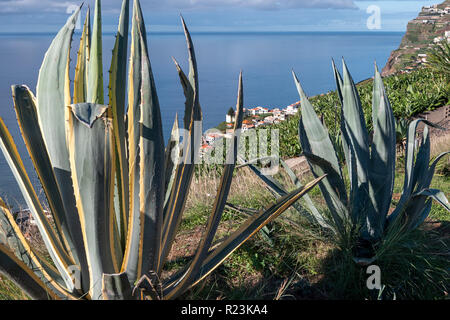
(115, 193)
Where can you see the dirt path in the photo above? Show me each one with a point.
(441, 117)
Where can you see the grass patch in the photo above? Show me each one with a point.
(9, 291)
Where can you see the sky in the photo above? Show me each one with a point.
(42, 16)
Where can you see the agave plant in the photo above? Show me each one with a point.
(116, 193)
(371, 168)
(362, 213)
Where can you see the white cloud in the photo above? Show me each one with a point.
(26, 6)
(263, 4)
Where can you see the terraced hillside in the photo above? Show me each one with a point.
(431, 26)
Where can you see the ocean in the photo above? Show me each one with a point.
(266, 60)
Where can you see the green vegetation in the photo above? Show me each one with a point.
(222, 126)
(439, 58)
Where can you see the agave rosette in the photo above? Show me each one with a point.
(115, 193)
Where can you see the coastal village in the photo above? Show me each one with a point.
(431, 27)
(255, 117)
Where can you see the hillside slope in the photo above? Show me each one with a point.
(431, 26)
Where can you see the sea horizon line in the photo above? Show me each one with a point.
(180, 33)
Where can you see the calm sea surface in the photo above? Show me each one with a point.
(266, 60)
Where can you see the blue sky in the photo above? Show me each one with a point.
(220, 15)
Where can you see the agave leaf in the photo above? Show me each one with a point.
(271, 183)
(339, 82)
(152, 171)
(423, 215)
(416, 211)
(91, 158)
(357, 139)
(172, 150)
(188, 91)
(382, 158)
(116, 287)
(378, 94)
(265, 231)
(68, 226)
(316, 142)
(422, 159)
(349, 157)
(409, 182)
(274, 186)
(220, 200)
(309, 204)
(245, 211)
(25, 108)
(147, 166)
(332, 188)
(133, 118)
(418, 207)
(317, 139)
(23, 277)
(16, 243)
(410, 154)
(80, 82)
(425, 183)
(294, 179)
(117, 97)
(95, 92)
(193, 77)
(52, 96)
(279, 191)
(180, 190)
(436, 195)
(239, 237)
(52, 241)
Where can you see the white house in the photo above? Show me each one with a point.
(269, 120)
(276, 111)
(230, 118)
(258, 110)
(292, 109)
(422, 57)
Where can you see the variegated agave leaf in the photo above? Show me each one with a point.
(146, 168)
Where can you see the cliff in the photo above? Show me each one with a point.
(431, 26)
